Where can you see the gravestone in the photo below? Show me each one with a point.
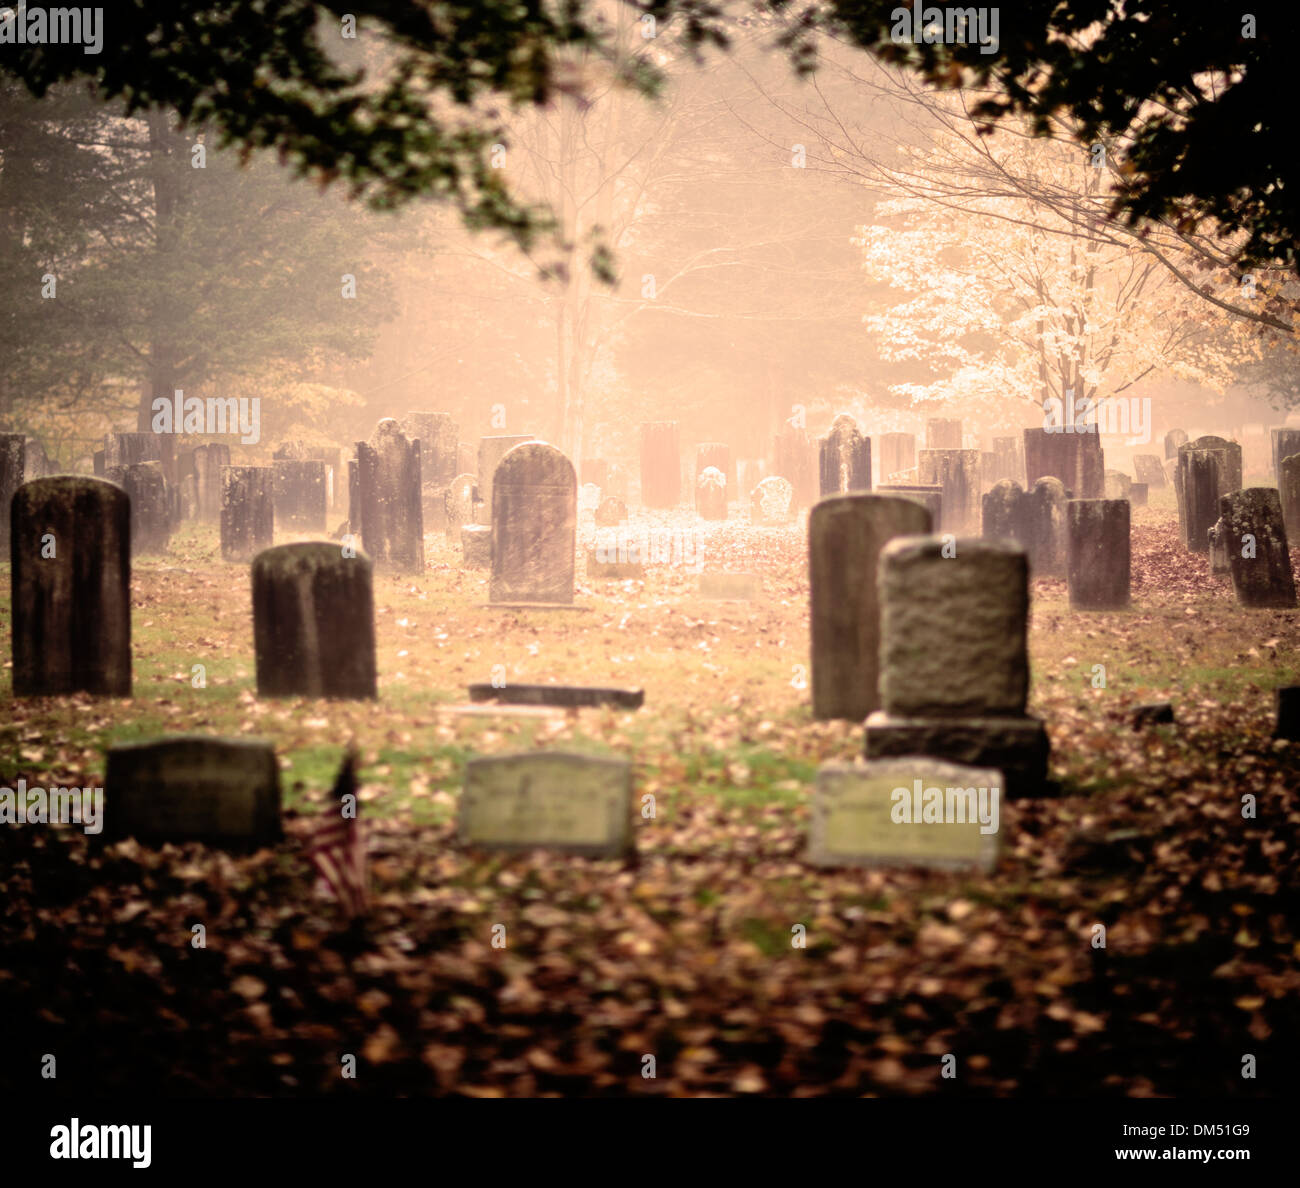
(1173, 439)
(897, 454)
(845, 536)
(611, 512)
(301, 498)
(1218, 543)
(1288, 488)
(1099, 553)
(70, 552)
(718, 455)
(392, 503)
(565, 696)
(476, 546)
(1117, 484)
(247, 511)
(332, 456)
(571, 803)
(1006, 513)
(1150, 470)
(97, 461)
(151, 512)
(1137, 494)
(844, 459)
(313, 622)
(1284, 443)
(794, 457)
(1045, 540)
(219, 791)
(294, 450)
(711, 494)
(13, 473)
(187, 480)
(943, 433)
(1258, 557)
(906, 812)
(1008, 460)
(490, 452)
(439, 448)
(954, 659)
(957, 473)
(1199, 487)
(770, 502)
(209, 461)
(534, 526)
(661, 464)
(126, 449)
(1075, 458)
(458, 504)
(929, 496)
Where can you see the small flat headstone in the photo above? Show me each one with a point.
(906, 812)
(1153, 714)
(573, 803)
(219, 791)
(568, 696)
(732, 587)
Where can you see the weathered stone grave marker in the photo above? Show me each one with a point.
(1099, 553)
(247, 511)
(1258, 557)
(844, 459)
(534, 526)
(392, 501)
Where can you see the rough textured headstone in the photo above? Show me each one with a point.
(313, 622)
(794, 457)
(718, 455)
(957, 473)
(875, 814)
(1137, 494)
(209, 461)
(71, 606)
(844, 459)
(301, 497)
(1075, 458)
(1006, 513)
(1045, 539)
(490, 452)
(1284, 443)
(572, 803)
(611, 512)
(845, 536)
(1150, 470)
(534, 526)
(476, 546)
(1173, 439)
(1099, 553)
(711, 494)
(1199, 488)
(1117, 484)
(218, 791)
(1288, 489)
(943, 433)
(126, 449)
(247, 511)
(458, 504)
(439, 448)
(392, 503)
(954, 659)
(770, 502)
(151, 513)
(929, 496)
(897, 454)
(1258, 557)
(566, 696)
(661, 464)
(1218, 543)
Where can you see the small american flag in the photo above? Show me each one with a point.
(337, 845)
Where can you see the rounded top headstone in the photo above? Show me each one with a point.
(533, 464)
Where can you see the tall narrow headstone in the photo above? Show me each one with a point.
(247, 511)
(943, 433)
(392, 508)
(439, 448)
(844, 459)
(1006, 513)
(1074, 458)
(1288, 489)
(845, 536)
(313, 622)
(490, 452)
(151, 513)
(958, 473)
(301, 497)
(897, 454)
(1199, 484)
(1285, 442)
(209, 461)
(1258, 557)
(70, 551)
(954, 659)
(1173, 439)
(1045, 528)
(534, 526)
(1099, 552)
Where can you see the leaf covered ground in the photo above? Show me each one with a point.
(686, 954)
